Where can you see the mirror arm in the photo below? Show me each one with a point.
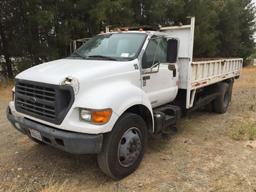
(155, 65)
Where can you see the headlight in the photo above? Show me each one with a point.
(95, 116)
(86, 115)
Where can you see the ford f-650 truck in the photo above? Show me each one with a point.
(116, 90)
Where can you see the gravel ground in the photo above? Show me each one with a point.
(210, 152)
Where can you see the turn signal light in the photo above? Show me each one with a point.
(101, 117)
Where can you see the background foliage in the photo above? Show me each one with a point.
(41, 30)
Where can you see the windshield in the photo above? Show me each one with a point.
(116, 46)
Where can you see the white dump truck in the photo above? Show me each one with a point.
(116, 90)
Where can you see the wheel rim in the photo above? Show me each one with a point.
(129, 147)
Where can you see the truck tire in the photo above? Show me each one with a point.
(221, 103)
(124, 147)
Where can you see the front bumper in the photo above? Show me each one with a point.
(72, 142)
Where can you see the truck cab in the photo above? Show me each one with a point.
(115, 90)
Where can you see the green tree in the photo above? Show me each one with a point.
(175, 11)
(247, 28)
(9, 29)
(41, 30)
(206, 35)
(236, 28)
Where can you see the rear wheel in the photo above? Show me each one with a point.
(123, 147)
(221, 103)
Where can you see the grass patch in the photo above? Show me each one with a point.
(244, 131)
(56, 187)
(253, 105)
(6, 91)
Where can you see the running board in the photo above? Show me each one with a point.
(166, 117)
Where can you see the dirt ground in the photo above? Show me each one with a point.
(210, 152)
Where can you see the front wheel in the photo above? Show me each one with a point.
(123, 147)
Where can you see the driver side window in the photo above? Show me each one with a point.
(155, 52)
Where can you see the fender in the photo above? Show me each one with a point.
(119, 96)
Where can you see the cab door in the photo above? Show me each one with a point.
(159, 77)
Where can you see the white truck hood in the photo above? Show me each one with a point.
(55, 72)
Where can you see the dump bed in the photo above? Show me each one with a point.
(204, 73)
(197, 74)
(207, 72)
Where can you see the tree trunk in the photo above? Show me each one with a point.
(8, 63)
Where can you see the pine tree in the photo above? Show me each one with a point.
(41, 30)
(206, 40)
(8, 18)
(247, 28)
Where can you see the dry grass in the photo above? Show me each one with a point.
(239, 131)
(56, 187)
(6, 91)
(246, 129)
(246, 86)
(200, 157)
(243, 131)
(249, 78)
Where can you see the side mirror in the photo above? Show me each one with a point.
(172, 50)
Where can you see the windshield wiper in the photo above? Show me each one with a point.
(79, 55)
(102, 57)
